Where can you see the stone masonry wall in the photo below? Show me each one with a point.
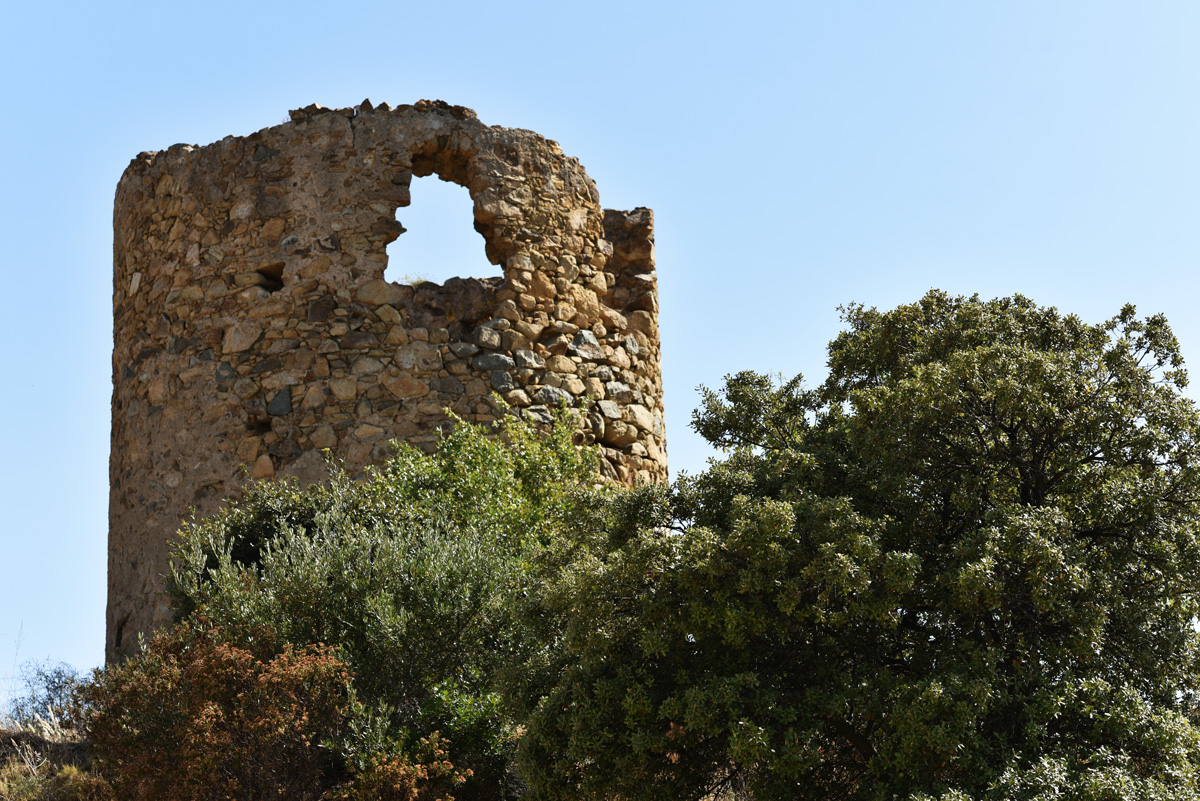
(253, 327)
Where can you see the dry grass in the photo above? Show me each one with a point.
(43, 760)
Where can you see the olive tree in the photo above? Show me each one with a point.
(409, 572)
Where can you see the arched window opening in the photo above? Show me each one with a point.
(439, 240)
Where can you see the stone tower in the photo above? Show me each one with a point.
(253, 326)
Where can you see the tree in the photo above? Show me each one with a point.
(965, 567)
(409, 572)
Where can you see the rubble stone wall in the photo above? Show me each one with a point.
(253, 327)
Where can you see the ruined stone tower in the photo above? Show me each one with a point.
(253, 326)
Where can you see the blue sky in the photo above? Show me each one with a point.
(798, 156)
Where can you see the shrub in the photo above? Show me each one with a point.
(24, 782)
(397, 777)
(200, 716)
(47, 695)
(411, 572)
(41, 758)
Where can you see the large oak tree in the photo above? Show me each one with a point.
(965, 566)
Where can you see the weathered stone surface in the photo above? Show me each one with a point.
(596, 423)
(277, 381)
(263, 467)
(517, 397)
(240, 336)
(618, 391)
(344, 389)
(586, 345)
(640, 416)
(405, 386)
(419, 356)
(448, 386)
(609, 409)
(282, 402)
(463, 350)
(552, 396)
(378, 292)
(359, 339)
(253, 325)
(248, 449)
(620, 434)
(320, 309)
(245, 388)
(643, 321)
(502, 382)
(560, 364)
(366, 365)
(527, 358)
(488, 338)
(323, 436)
(494, 361)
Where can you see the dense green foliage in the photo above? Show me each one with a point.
(963, 567)
(409, 572)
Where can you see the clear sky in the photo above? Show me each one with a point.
(797, 155)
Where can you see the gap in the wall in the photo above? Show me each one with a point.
(439, 241)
